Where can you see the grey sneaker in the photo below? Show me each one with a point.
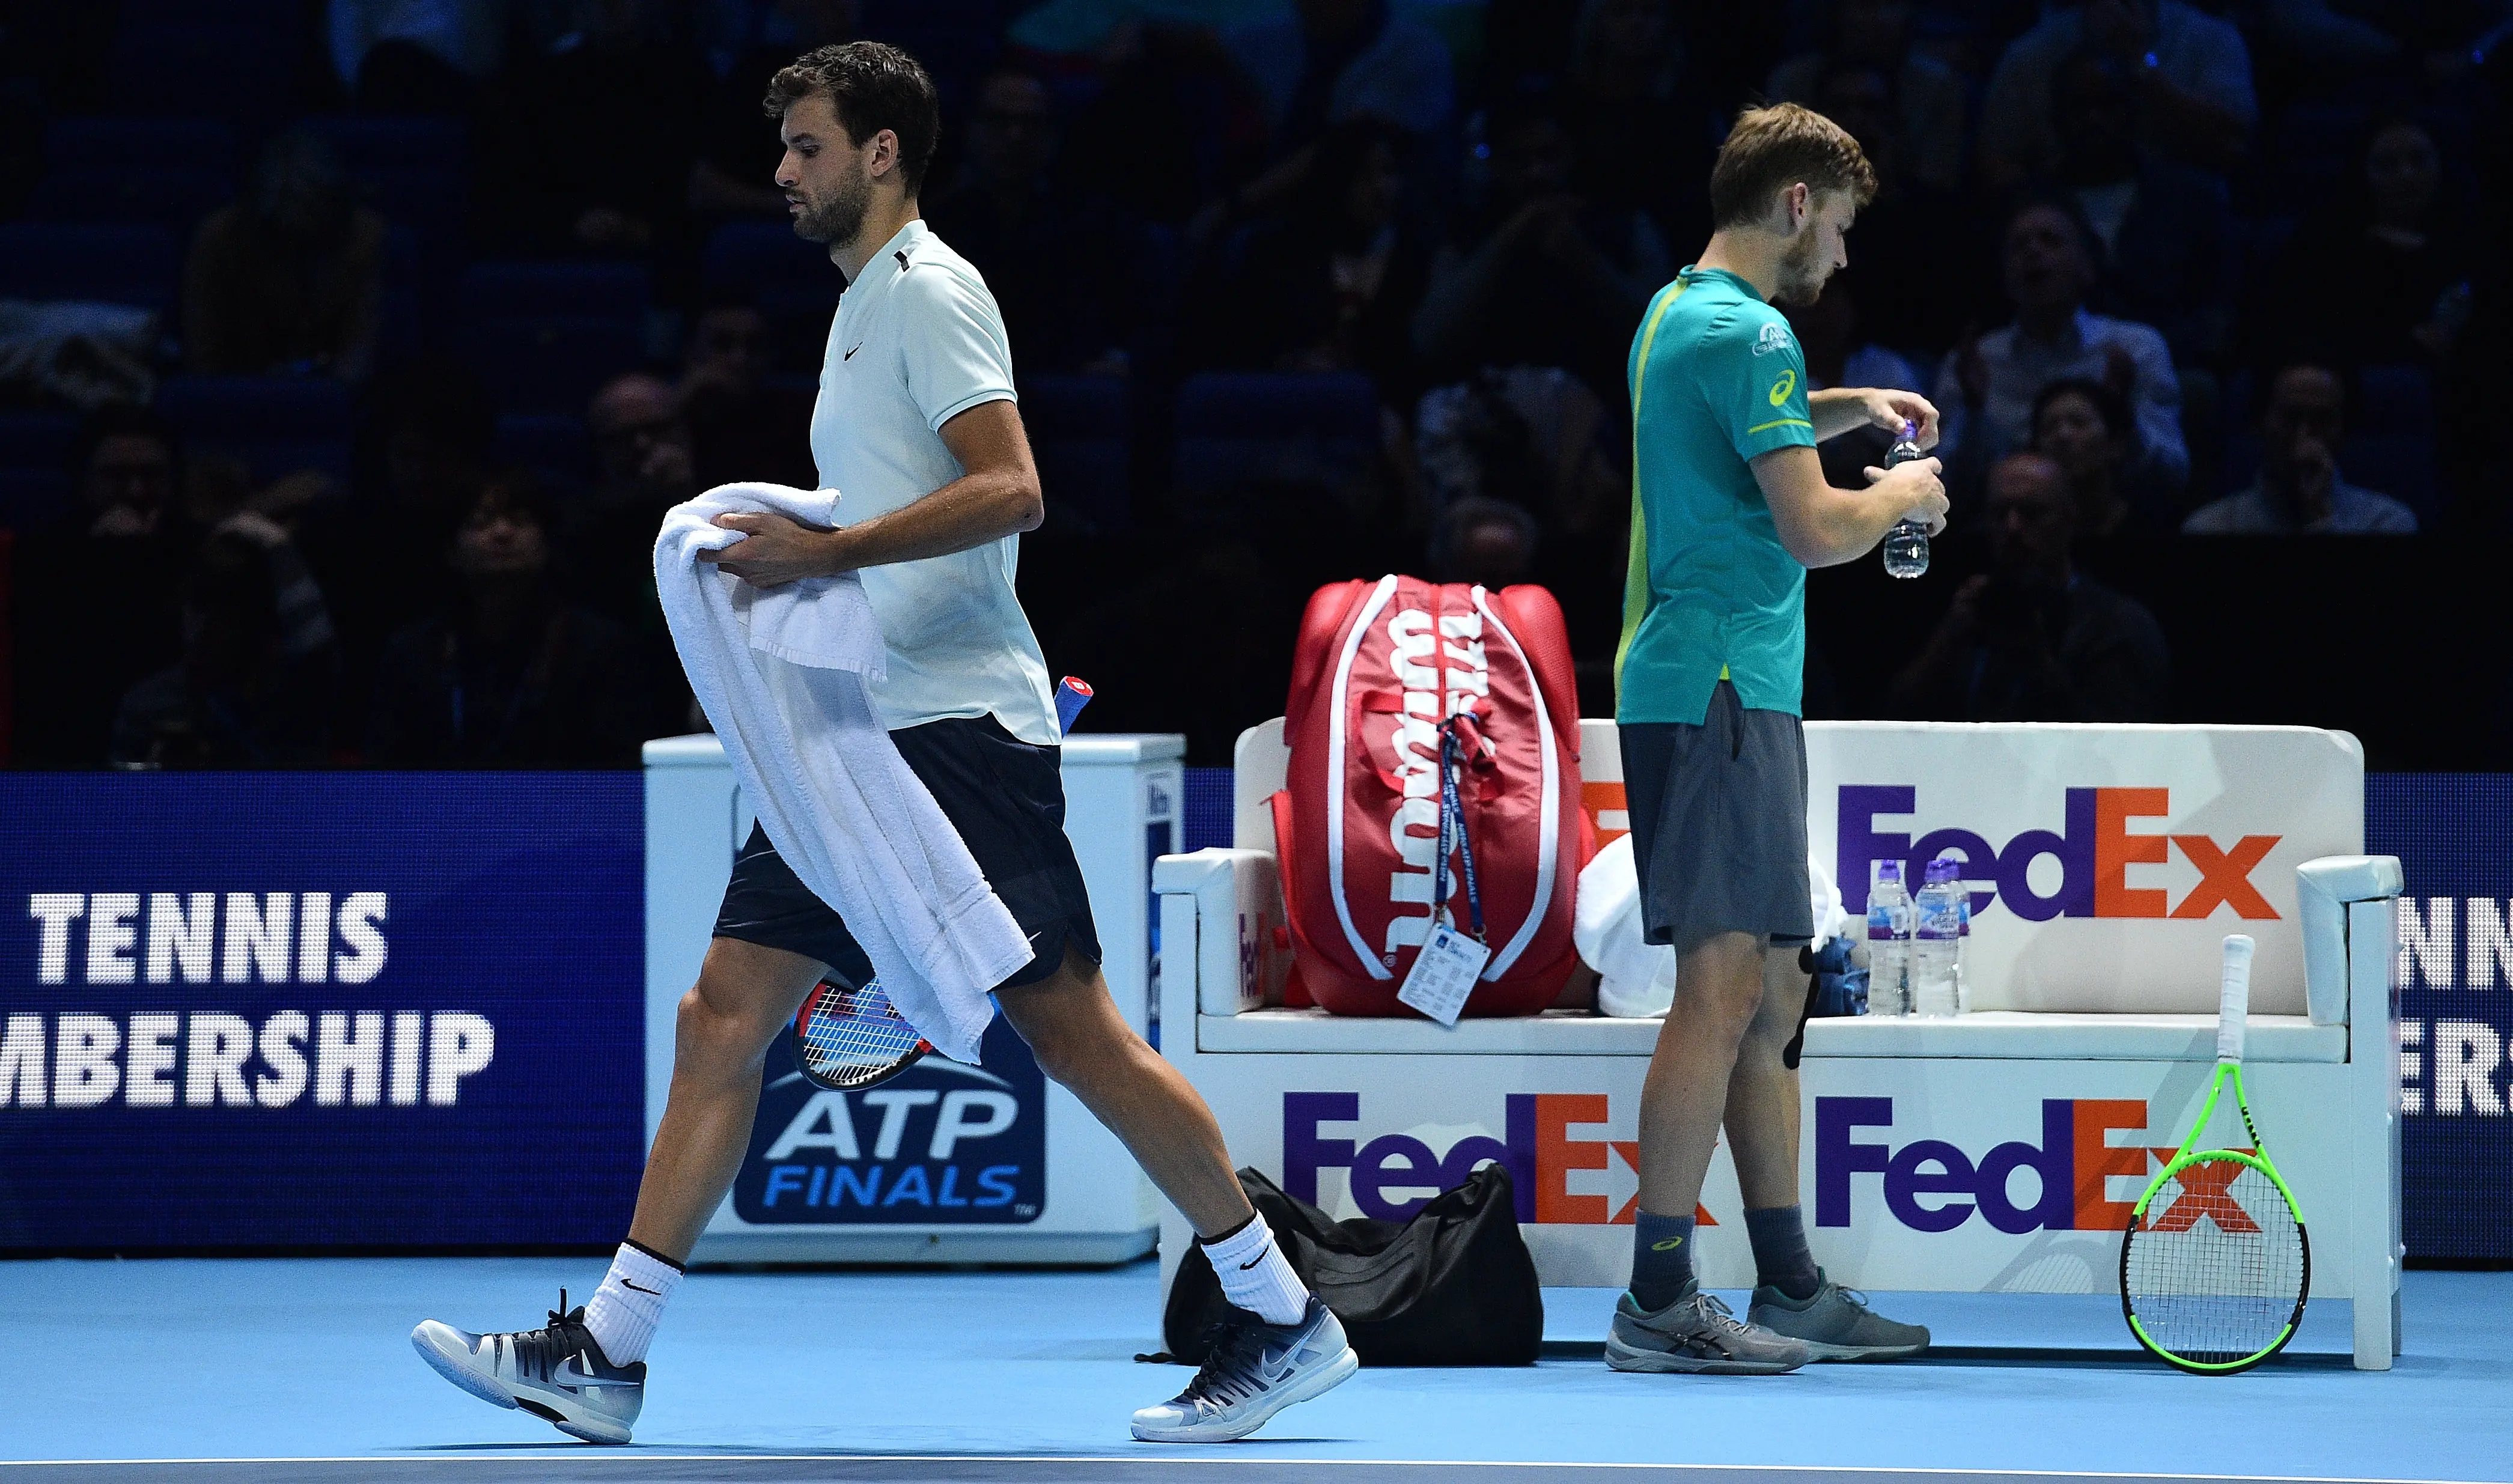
(1253, 1370)
(1836, 1323)
(557, 1373)
(1696, 1335)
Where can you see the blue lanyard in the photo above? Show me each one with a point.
(1451, 807)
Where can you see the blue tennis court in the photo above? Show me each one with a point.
(301, 1370)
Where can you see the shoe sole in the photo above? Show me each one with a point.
(499, 1394)
(1316, 1383)
(1818, 1351)
(1631, 1358)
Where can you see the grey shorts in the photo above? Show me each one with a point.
(1718, 815)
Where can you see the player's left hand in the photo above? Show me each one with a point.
(1888, 409)
(772, 551)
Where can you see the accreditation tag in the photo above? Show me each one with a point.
(1444, 974)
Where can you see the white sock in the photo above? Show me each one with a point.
(1256, 1275)
(629, 1304)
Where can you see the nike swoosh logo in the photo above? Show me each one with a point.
(1251, 1261)
(1274, 1369)
(572, 1374)
(640, 1287)
(851, 355)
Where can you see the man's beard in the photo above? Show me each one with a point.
(838, 218)
(1801, 275)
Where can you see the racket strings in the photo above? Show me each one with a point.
(2216, 1272)
(849, 1036)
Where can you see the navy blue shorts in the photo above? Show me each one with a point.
(1004, 796)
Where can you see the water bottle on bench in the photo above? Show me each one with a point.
(1889, 942)
(1936, 941)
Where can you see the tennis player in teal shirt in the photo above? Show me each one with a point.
(1730, 507)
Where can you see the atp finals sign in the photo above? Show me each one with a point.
(272, 1010)
(940, 1143)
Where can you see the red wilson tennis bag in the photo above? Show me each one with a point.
(1382, 669)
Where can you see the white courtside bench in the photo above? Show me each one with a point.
(1998, 1152)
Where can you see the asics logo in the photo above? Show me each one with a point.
(1669, 1245)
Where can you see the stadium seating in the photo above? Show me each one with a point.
(955, 39)
(1234, 426)
(545, 335)
(8, 644)
(274, 425)
(32, 499)
(553, 291)
(549, 366)
(36, 440)
(370, 142)
(2401, 465)
(2394, 400)
(121, 264)
(790, 281)
(279, 16)
(174, 196)
(202, 143)
(2310, 147)
(1078, 427)
(743, 258)
(553, 445)
(230, 63)
(35, 449)
(412, 170)
(404, 296)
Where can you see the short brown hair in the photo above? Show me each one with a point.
(872, 87)
(1775, 147)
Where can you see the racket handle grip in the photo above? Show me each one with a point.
(1071, 696)
(2234, 997)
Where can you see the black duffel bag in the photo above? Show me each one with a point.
(1454, 1286)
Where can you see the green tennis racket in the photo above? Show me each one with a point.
(2214, 1266)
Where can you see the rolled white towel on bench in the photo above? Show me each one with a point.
(1636, 978)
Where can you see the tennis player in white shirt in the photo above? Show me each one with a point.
(917, 429)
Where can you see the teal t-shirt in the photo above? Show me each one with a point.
(1710, 593)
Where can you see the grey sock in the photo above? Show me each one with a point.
(1662, 1259)
(1782, 1260)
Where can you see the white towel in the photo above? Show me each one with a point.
(1636, 977)
(779, 671)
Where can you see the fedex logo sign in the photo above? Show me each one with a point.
(2094, 848)
(1929, 1184)
(1394, 1175)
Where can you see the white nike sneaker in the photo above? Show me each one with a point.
(557, 1373)
(1253, 1370)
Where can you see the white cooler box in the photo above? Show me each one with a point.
(944, 1163)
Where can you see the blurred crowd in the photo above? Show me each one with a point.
(351, 351)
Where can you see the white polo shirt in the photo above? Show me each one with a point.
(916, 341)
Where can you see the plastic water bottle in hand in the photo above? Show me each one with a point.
(1889, 942)
(1936, 941)
(1906, 545)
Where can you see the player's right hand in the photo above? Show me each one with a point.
(1917, 489)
